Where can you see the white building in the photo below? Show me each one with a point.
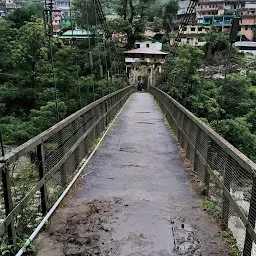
(149, 44)
(246, 47)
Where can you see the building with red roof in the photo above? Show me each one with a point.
(144, 62)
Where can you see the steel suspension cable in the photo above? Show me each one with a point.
(105, 25)
(90, 52)
(74, 47)
(186, 20)
(97, 38)
(106, 29)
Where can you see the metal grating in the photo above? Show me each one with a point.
(38, 171)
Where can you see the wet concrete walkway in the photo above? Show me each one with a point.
(139, 181)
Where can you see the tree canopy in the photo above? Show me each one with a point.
(27, 89)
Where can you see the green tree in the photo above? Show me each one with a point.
(29, 51)
(235, 99)
(48, 112)
(19, 17)
(158, 24)
(155, 11)
(5, 47)
(84, 12)
(169, 12)
(182, 72)
(134, 14)
(251, 119)
(204, 102)
(237, 132)
(219, 41)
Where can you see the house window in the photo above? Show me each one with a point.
(147, 45)
(200, 29)
(190, 41)
(137, 46)
(246, 27)
(193, 29)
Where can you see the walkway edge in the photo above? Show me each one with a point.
(48, 215)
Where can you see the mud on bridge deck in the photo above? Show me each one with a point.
(136, 200)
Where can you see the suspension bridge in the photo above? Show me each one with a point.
(135, 184)
(121, 176)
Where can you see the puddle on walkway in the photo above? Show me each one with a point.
(185, 239)
(145, 123)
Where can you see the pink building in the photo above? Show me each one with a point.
(208, 9)
(248, 22)
(56, 20)
(11, 5)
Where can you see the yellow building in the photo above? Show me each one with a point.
(194, 35)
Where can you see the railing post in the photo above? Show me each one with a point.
(195, 147)
(106, 111)
(225, 202)
(206, 181)
(203, 174)
(11, 233)
(63, 151)
(251, 219)
(206, 173)
(42, 172)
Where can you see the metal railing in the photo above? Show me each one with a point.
(35, 174)
(227, 175)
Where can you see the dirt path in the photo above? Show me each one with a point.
(137, 200)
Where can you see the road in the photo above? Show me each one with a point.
(137, 200)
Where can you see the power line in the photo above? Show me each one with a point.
(102, 18)
(74, 47)
(90, 52)
(186, 20)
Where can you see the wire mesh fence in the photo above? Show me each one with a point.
(227, 175)
(35, 174)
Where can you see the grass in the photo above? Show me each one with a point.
(9, 250)
(231, 242)
(211, 208)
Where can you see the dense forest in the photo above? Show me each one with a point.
(28, 91)
(27, 88)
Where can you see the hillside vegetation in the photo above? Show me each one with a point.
(27, 94)
(227, 105)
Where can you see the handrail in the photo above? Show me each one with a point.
(48, 162)
(227, 175)
(40, 138)
(242, 159)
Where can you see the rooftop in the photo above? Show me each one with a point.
(145, 50)
(245, 44)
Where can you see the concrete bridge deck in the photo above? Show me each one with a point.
(136, 200)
